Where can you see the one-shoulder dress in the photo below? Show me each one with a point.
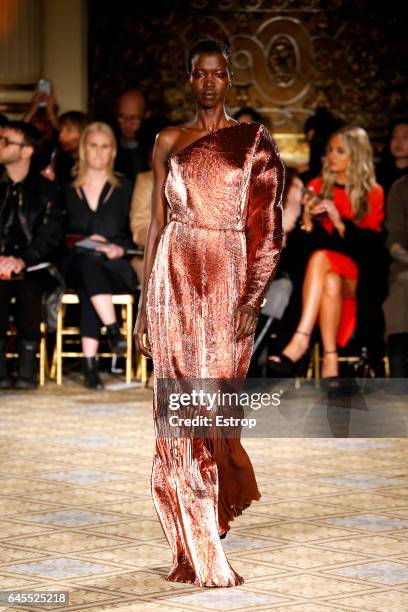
(219, 250)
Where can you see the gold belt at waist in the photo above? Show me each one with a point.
(211, 229)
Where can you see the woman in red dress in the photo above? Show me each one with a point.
(343, 210)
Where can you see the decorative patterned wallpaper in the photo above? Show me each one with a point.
(289, 57)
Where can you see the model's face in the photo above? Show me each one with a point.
(130, 111)
(11, 150)
(98, 150)
(399, 141)
(69, 138)
(337, 156)
(209, 79)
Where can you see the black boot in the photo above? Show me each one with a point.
(27, 365)
(5, 380)
(116, 341)
(91, 375)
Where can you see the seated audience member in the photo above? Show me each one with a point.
(396, 304)
(140, 211)
(42, 113)
(318, 129)
(62, 166)
(130, 113)
(249, 115)
(343, 229)
(394, 161)
(30, 233)
(97, 207)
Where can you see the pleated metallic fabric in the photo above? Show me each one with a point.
(219, 250)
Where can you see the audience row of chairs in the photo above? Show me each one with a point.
(68, 346)
(67, 342)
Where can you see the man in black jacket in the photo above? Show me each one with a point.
(30, 233)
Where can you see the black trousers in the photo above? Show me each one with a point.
(28, 308)
(91, 275)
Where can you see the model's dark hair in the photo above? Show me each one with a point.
(210, 45)
(31, 135)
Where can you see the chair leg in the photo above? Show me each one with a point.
(386, 366)
(53, 369)
(144, 371)
(138, 373)
(316, 355)
(129, 342)
(43, 357)
(310, 367)
(58, 344)
(141, 368)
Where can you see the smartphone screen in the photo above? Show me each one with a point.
(44, 86)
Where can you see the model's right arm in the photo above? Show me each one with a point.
(158, 222)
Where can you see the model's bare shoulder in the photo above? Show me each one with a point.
(167, 139)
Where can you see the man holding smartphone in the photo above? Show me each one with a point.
(30, 233)
(43, 114)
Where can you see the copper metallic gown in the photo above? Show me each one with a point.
(219, 250)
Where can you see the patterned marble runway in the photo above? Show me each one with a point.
(330, 532)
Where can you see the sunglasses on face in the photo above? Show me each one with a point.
(6, 141)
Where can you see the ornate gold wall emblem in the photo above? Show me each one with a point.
(290, 57)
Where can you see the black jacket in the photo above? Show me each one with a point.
(110, 219)
(40, 215)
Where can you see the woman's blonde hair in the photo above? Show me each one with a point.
(360, 172)
(97, 126)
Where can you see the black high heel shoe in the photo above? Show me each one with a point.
(286, 365)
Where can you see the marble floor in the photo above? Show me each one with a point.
(330, 532)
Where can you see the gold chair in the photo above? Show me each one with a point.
(317, 359)
(141, 360)
(126, 302)
(141, 368)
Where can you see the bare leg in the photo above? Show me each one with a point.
(329, 320)
(89, 346)
(317, 268)
(104, 308)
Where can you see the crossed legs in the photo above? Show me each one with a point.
(105, 311)
(323, 292)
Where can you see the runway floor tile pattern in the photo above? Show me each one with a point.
(330, 532)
